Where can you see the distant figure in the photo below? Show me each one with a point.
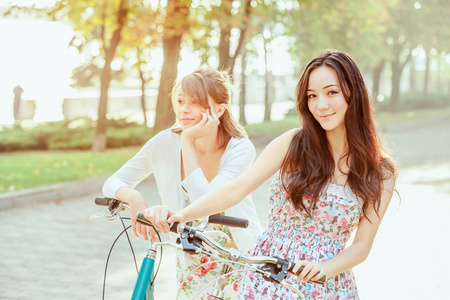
(17, 99)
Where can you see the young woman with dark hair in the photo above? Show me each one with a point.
(335, 176)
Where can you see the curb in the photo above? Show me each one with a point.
(52, 193)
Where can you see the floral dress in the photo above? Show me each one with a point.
(191, 279)
(296, 236)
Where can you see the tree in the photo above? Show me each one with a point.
(103, 22)
(227, 51)
(433, 16)
(175, 26)
(351, 26)
(242, 92)
(377, 78)
(100, 21)
(413, 23)
(140, 39)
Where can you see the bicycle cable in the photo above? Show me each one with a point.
(132, 250)
(107, 260)
(129, 242)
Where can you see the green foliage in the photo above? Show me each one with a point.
(415, 101)
(76, 134)
(127, 136)
(273, 128)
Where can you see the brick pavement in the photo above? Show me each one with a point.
(54, 251)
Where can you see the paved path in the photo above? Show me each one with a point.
(54, 250)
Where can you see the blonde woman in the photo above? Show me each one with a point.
(205, 149)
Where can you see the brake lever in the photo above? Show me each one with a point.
(276, 272)
(107, 217)
(116, 207)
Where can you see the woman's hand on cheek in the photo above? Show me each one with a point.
(205, 126)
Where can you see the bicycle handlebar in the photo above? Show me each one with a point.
(103, 201)
(223, 220)
(236, 255)
(214, 219)
(228, 221)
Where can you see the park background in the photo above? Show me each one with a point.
(96, 77)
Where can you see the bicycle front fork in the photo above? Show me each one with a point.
(217, 292)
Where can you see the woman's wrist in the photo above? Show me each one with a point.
(186, 138)
(130, 196)
(137, 198)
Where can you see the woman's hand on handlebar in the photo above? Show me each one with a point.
(136, 203)
(311, 271)
(158, 216)
(138, 228)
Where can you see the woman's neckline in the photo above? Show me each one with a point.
(338, 184)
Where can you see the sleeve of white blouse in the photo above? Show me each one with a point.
(238, 158)
(132, 172)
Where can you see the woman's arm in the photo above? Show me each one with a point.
(358, 251)
(238, 157)
(131, 173)
(209, 123)
(121, 184)
(232, 192)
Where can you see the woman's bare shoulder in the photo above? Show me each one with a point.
(288, 135)
(282, 142)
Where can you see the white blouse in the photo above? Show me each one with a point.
(161, 155)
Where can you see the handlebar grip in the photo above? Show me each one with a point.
(174, 227)
(103, 201)
(228, 221)
(321, 280)
(141, 219)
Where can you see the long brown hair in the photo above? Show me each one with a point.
(207, 81)
(309, 166)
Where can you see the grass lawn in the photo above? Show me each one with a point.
(24, 170)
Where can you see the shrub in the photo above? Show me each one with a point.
(77, 134)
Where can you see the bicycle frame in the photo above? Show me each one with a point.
(191, 241)
(143, 289)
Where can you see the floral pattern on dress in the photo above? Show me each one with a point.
(197, 279)
(297, 236)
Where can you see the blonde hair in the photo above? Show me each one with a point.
(207, 81)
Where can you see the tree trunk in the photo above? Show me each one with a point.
(226, 58)
(395, 92)
(225, 33)
(412, 74)
(397, 69)
(144, 109)
(242, 94)
(438, 79)
(175, 26)
(100, 142)
(267, 76)
(376, 81)
(426, 81)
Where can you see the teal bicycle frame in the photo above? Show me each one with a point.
(143, 289)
